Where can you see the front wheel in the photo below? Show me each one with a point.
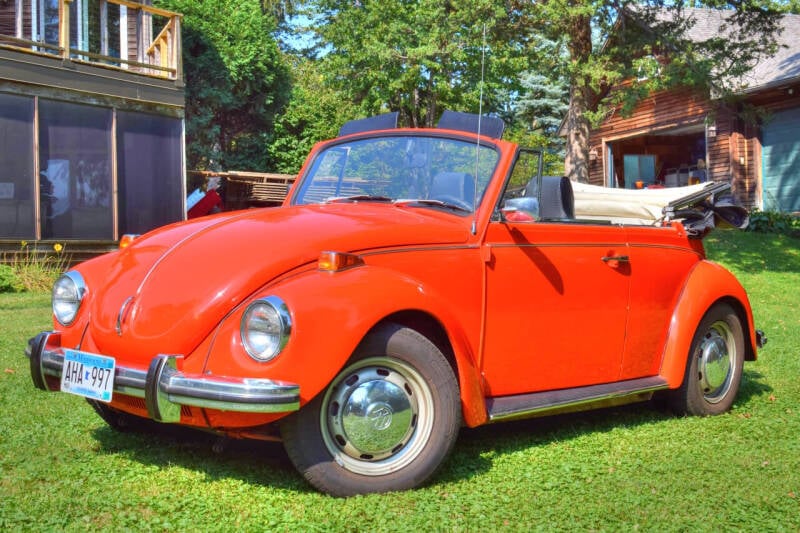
(386, 422)
(714, 367)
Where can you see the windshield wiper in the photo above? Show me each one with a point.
(434, 203)
(357, 198)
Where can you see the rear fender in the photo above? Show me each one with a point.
(331, 314)
(707, 284)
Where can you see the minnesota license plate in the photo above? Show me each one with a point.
(87, 374)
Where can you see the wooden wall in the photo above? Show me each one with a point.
(733, 145)
(659, 111)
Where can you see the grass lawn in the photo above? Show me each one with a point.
(627, 468)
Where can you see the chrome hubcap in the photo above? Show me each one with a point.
(717, 359)
(377, 417)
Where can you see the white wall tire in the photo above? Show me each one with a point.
(386, 422)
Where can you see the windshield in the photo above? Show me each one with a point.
(417, 170)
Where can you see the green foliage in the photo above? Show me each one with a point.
(542, 103)
(8, 280)
(774, 222)
(314, 113)
(32, 269)
(420, 58)
(236, 82)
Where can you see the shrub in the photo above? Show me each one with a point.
(8, 280)
(774, 222)
(32, 270)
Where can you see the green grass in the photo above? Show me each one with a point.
(628, 468)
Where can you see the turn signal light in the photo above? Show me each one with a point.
(336, 261)
(126, 240)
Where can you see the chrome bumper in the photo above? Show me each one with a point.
(165, 389)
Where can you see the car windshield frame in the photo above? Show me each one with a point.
(413, 169)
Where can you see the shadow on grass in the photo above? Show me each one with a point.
(261, 463)
(254, 462)
(754, 253)
(469, 457)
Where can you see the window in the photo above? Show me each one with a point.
(75, 166)
(639, 168)
(17, 186)
(150, 171)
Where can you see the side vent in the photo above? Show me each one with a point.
(490, 126)
(387, 121)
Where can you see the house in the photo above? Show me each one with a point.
(91, 120)
(680, 136)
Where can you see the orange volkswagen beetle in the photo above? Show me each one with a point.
(414, 281)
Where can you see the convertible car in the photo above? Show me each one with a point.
(414, 281)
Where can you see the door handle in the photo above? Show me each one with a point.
(619, 258)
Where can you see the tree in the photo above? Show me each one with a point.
(236, 82)
(420, 58)
(314, 113)
(644, 37)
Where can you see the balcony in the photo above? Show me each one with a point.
(120, 35)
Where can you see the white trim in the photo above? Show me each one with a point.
(123, 34)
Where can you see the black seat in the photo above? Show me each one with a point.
(453, 186)
(556, 201)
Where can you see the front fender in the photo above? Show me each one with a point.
(331, 314)
(706, 284)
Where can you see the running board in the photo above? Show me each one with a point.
(577, 399)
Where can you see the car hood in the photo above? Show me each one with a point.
(166, 292)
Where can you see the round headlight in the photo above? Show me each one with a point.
(68, 293)
(266, 326)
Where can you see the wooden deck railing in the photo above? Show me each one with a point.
(158, 56)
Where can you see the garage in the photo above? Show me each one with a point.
(780, 161)
(663, 158)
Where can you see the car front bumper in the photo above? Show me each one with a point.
(165, 389)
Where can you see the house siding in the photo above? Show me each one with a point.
(658, 112)
(733, 146)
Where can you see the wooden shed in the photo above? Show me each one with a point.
(683, 136)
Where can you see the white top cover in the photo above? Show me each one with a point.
(627, 206)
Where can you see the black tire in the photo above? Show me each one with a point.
(386, 422)
(714, 366)
(118, 420)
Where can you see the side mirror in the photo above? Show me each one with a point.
(523, 209)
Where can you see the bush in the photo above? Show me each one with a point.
(774, 222)
(32, 269)
(9, 282)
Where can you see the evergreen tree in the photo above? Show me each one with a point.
(236, 82)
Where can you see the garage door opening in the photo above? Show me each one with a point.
(669, 158)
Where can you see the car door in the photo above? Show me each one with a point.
(555, 304)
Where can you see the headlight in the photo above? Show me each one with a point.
(266, 326)
(68, 293)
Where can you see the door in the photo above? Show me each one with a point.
(556, 301)
(780, 161)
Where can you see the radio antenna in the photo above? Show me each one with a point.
(478, 141)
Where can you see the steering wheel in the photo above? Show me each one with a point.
(453, 200)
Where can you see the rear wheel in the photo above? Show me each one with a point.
(714, 367)
(386, 422)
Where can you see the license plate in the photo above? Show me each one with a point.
(88, 374)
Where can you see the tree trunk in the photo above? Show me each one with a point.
(576, 163)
